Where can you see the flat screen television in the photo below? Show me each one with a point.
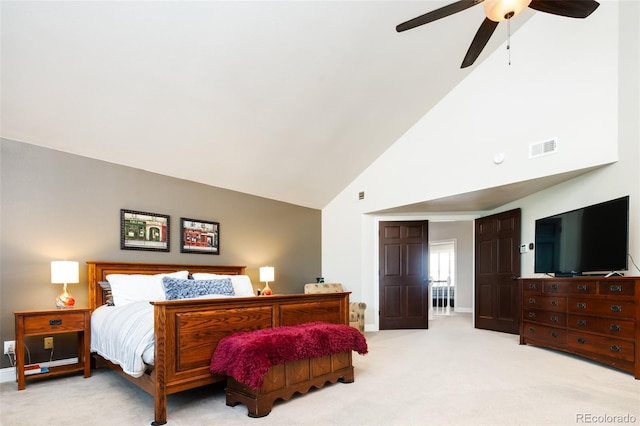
(590, 239)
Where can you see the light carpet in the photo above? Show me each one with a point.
(450, 374)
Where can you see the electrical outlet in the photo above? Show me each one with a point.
(48, 342)
(9, 347)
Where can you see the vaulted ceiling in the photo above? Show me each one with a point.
(289, 100)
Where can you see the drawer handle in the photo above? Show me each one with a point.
(582, 323)
(554, 334)
(554, 303)
(581, 341)
(554, 286)
(554, 318)
(55, 322)
(616, 287)
(582, 287)
(532, 330)
(615, 327)
(532, 314)
(581, 305)
(616, 308)
(532, 286)
(615, 348)
(532, 301)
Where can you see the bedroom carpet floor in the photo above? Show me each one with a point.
(451, 374)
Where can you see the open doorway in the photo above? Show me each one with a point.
(442, 276)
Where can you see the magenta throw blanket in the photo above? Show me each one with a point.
(247, 356)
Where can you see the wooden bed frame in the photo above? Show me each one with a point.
(187, 331)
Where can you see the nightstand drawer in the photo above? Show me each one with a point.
(42, 324)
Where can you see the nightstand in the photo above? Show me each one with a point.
(54, 321)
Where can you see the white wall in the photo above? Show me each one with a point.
(563, 83)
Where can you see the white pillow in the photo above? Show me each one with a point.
(127, 288)
(242, 286)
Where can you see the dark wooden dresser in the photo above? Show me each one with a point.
(596, 318)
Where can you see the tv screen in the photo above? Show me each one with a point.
(590, 239)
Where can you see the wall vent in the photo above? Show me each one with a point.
(539, 149)
(361, 195)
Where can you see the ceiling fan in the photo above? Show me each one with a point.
(497, 11)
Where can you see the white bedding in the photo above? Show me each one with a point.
(124, 334)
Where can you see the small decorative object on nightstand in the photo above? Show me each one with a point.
(63, 272)
(55, 321)
(266, 275)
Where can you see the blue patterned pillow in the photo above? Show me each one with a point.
(175, 288)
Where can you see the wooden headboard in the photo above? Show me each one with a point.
(99, 270)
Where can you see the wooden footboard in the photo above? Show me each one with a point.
(187, 331)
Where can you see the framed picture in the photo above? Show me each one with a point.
(199, 236)
(144, 231)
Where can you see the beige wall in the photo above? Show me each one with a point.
(56, 205)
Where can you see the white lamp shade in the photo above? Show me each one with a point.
(266, 273)
(64, 271)
(498, 10)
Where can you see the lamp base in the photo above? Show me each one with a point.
(266, 291)
(65, 300)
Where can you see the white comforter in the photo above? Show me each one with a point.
(124, 335)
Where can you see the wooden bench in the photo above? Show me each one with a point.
(266, 365)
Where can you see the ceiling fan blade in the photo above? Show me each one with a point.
(434, 15)
(479, 42)
(569, 8)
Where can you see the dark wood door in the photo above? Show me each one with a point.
(497, 251)
(404, 282)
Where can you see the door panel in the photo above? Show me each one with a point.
(392, 260)
(497, 263)
(392, 298)
(404, 289)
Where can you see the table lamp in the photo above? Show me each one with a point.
(64, 272)
(266, 275)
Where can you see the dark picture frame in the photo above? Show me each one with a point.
(199, 236)
(144, 231)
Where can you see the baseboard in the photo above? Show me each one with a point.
(9, 374)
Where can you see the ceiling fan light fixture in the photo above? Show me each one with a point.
(501, 10)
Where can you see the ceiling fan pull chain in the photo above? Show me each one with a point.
(509, 39)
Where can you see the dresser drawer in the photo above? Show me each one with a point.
(571, 287)
(611, 326)
(614, 348)
(619, 288)
(550, 303)
(532, 287)
(610, 308)
(43, 324)
(543, 333)
(545, 316)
